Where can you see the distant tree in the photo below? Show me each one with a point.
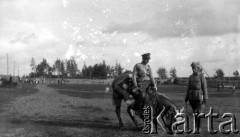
(57, 67)
(162, 73)
(84, 71)
(50, 71)
(33, 67)
(219, 74)
(32, 75)
(90, 72)
(118, 69)
(236, 73)
(62, 68)
(71, 67)
(173, 72)
(98, 71)
(111, 73)
(43, 68)
(87, 71)
(103, 70)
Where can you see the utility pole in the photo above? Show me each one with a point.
(18, 71)
(116, 68)
(14, 68)
(7, 64)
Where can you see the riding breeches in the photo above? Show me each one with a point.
(196, 105)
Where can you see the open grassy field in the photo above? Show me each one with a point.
(87, 111)
(9, 94)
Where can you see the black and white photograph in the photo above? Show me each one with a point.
(119, 68)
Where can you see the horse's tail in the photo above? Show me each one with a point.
(170, 102)
(169, 112)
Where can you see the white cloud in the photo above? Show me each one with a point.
(192, 18)
(65, 3)
(23, 40)
(70, 52)
(175, 32)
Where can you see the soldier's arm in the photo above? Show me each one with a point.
(204, 88)
(152, 78)
(135, 76)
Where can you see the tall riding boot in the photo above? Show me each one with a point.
(197, 124)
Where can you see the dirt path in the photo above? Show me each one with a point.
(49, 113)
(39, 115)
(46, 103)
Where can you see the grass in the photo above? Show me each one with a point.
(80, 87)
(9, 94)
(94, 114)
(221, 102)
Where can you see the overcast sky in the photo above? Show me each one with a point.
(175, 32)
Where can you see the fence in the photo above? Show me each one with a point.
(71, 81)
(88, 81)
(212, 83)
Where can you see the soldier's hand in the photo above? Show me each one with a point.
(155, 88)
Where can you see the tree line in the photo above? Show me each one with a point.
(69, 69)
(219, 74)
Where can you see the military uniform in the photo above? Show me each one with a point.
(197, 93)
(142, 75)
(143, 78)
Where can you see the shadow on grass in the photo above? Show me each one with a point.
(86, 95)
(73, 123)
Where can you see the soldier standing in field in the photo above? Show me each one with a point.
(197, 93)
(143, 78)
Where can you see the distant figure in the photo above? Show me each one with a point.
(143, 78)
(197, 93)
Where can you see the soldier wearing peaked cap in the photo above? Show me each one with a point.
(142, 77)
(197, 93)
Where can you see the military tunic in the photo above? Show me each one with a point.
(143, 79)
(196, 92)
(142, 75)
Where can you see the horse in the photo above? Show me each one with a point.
(120, 93)
(157, 101)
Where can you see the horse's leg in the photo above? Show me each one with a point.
(118, 111)
(131, 114)
(155, 126)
